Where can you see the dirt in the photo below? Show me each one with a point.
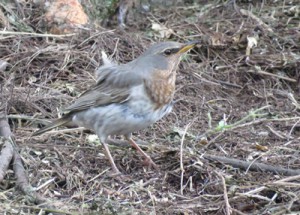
(229, 103)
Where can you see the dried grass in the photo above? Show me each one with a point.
(219, 88)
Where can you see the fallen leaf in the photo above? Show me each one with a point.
(261, 148)
(203, 141)
(252, 42)
(162, 30)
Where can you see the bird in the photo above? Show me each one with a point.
(127, 97)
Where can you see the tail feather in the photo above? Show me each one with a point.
(59, 122)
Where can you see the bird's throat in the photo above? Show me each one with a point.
(161, 90)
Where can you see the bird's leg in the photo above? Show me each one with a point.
(110, 158)
(148, 161)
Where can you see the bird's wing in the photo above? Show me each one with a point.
(113, 86)
(120, 75)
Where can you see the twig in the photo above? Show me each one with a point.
(6, 154)
(28, 118)
(22, 180)
(67, 130)
(255, 166)
(277, 133)
(21, 9)
(238, 212)
(7, 149)
(181, 158)
(45, 184)
(257, 190)
(261, 72)
(97, 176)
(95, 35)
(252, 162)
(36, 34)
(291, 178)
(19, 170)
(291, 131)
(254, 196)
(258, 20)
(50, 210)
(282, 182)
(287, 184)
(293, 100)
(4, 126)
(225, 195)
(237, 124)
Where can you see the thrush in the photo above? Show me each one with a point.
(127, 97)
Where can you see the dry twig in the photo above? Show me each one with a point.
(252, 166)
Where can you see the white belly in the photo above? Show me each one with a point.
(136, 114)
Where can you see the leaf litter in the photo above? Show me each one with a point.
(237, 97)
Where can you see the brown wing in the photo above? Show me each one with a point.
(119, 76)
(113, 86)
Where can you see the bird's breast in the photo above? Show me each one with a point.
(161, 90)
(141, 105)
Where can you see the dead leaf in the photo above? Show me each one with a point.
(162, 30)
(203, 141)
(261, 148)
(252, 42)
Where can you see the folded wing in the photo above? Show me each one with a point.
(113, 86)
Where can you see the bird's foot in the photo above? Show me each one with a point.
(118, 176)
(150, 163)
(115, 173)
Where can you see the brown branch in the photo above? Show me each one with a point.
(231, 161)
(6, 155)
(4, 126)
(9, 152)
(6, 152)
(227, 205)
(22, 180)
(252, 166)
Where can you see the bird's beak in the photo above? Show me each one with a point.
(187, 46)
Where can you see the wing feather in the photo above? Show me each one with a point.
(113, 86)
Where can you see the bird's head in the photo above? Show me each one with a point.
(169, 49)
(165, 56)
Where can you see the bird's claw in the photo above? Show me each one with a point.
(118, 176)
(149, 162)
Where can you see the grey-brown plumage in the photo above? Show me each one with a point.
(128, 97)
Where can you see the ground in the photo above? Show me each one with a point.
(237, 98)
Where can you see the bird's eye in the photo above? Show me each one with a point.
(167, 52)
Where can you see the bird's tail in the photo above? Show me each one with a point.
(61, 121)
